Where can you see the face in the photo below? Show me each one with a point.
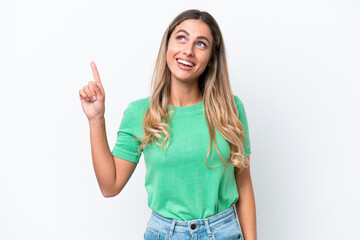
(189, 50)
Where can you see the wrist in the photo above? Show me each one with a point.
(96, 120)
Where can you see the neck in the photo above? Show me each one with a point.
(185, 94)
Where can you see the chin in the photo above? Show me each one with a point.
(184, 78)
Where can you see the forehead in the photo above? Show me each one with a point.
(195, 28)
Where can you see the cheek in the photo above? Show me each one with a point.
(169, 53)
(205, 60)
(169, 58)
(173, 50)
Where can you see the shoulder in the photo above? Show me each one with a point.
(139, 105)
(238, 102)
(241, 109)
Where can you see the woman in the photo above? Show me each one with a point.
(194, 135)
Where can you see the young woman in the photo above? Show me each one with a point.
(193, 133)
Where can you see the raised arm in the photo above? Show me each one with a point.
(112, 173)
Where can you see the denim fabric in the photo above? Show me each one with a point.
(222, 226)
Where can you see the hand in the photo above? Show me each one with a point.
(92, 96)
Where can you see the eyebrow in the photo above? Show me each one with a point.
(199, 37)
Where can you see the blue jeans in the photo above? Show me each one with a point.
(224, 225)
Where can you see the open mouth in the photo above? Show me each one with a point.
(185, 64)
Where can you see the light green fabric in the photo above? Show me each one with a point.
(178, 182)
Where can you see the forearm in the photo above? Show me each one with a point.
(245, 208)
(103, 160)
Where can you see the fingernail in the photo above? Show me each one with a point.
(93, 98)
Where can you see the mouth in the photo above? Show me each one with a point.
(185, 64)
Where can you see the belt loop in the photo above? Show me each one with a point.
(234, 209)
(172, 227)
(207, 227)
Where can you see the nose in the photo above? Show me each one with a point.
(188, 50)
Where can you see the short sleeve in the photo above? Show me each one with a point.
(126, 147)
(243, 120)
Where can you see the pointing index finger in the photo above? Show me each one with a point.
(95, 72)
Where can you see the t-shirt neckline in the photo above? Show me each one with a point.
(187, 109)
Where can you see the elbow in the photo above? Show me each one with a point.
(109, 194)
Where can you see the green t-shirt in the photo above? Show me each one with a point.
(178, 182)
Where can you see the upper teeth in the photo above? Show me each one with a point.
(185, 62)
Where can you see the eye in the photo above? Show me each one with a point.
(201, 44)
(180, 38)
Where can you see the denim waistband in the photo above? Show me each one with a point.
(193, 225)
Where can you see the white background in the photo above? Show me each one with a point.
(294, 64)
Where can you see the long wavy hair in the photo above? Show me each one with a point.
(219, 105)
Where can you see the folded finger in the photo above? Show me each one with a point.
(83, 95)
(91, 88)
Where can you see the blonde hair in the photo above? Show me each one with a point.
(218, 100)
